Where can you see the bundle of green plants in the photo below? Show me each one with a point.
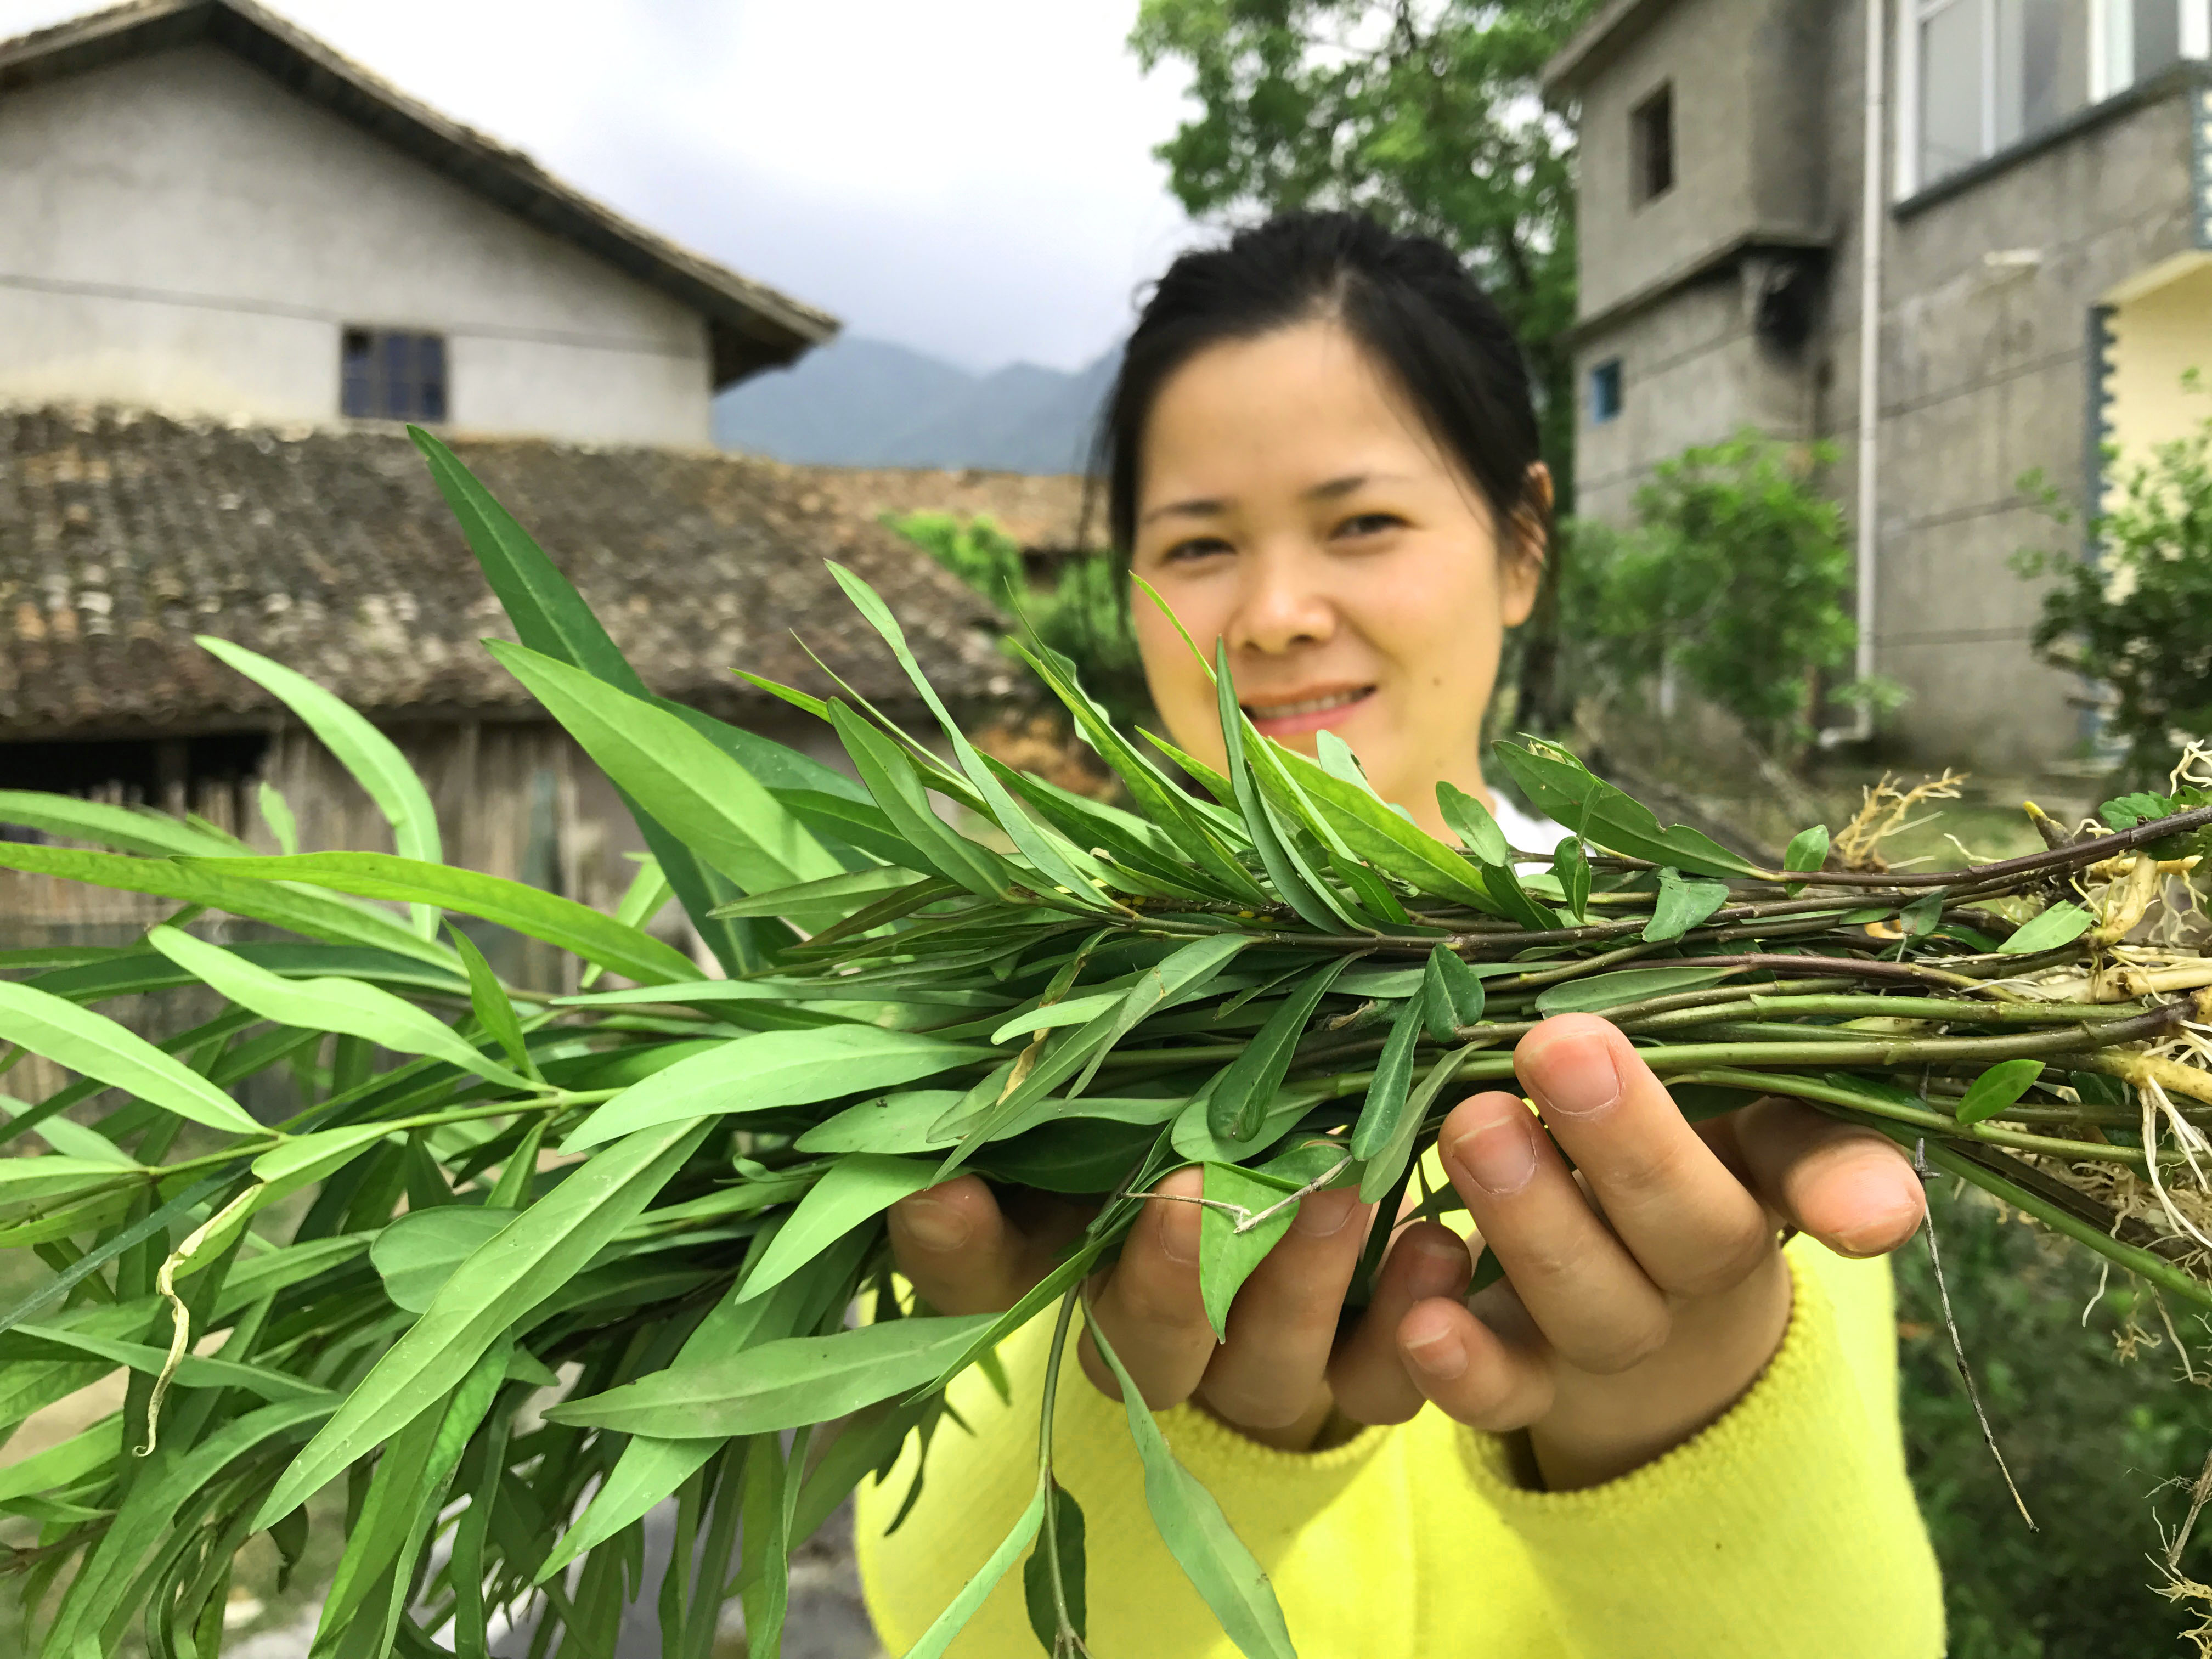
(526, 1264)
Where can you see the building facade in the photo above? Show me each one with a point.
(2038, 279)
(204, 211)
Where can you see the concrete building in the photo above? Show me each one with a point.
(206, 211)
(2038, 275)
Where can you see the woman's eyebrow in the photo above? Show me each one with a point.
(1200, 508)
(1344, 486)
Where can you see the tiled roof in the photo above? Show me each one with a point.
(124, 534)
(1044, 512)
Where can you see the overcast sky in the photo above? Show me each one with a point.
(972, 178)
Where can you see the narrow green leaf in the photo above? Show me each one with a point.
(2061, 924)
(1239, 1105)
(305, 1159)
(1297, 885)
(96, 1047)
(22, 1178)
(1617, 990)
(1996, 1089)
(1198, 1534)
(221, 885)
(62, 1466)
(699, 793)
(779, 1385)
(859, 1187)
(191, 1371)
(124, 829)
(771, 1069)
(1471, 821)
(561, 922)
(1066, 1536)
(276, 813)
(949, 1624)
(1390, 1159)
(898, 791)
(1386, 1091)
(1570, 869)
(1562, 787)
(1226, 1257)
(848, 892)
(344, 1005)
(494, 1012)
(494, 1291)
(1461, 987)
(373, 759)
(1682, 904)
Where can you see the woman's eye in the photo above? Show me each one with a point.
(1198, 547)
(1369, 524)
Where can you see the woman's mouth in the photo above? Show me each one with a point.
(1292, 716)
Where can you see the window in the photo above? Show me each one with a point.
(1983, 74)
(390, 374)
(1605, 392)
(1652, 146)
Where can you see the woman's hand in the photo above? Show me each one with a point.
(1642, 1296)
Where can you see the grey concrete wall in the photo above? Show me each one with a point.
(1748, 130)
(179, 231)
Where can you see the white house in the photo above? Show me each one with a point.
(206, 211)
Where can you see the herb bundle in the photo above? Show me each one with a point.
(527, 1264)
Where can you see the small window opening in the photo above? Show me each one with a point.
(392, 374)
(1605, 392)
(1651, 144)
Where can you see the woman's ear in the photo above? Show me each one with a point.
(1527, 540)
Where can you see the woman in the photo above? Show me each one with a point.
(1662, 1433)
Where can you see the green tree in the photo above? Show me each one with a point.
(1425, 114)
(1734, 578)
(2137, 618)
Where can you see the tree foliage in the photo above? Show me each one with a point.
(2137, 618)
(1734, 578)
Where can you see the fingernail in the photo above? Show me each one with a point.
(1579, 1078)
(1321, 1214)
(1435, 1269)
(933, 1223)
(1499, 1156)
(1179, 1232)
(1441, 1354)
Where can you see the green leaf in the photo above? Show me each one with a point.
(2129, 811)
(125, 828)
(774, 1068)
(1570, 869)
(493, 1292)
(1057, 859)
(897, 789)
(957, 1612)
(1682, 904)
(1997, 1088)
(2061, 924)
(906, 1122)
(1198, 1534)
(191, 1371)
(494, 1012)
(785, 1385)
(1066, 1536)
(1562, 787)
(1808, 849)
(373, 759)
(698, 793)
(1226, 1257)
(1451, 994)
(1239, 1105)
(1471, 821)
(95, 1046)
(419, 1252)
(344, 1005)
(41, 1177)
(849, 892)
(276, 813)
(1390, 1161)
(1618, 990)
(1383, 1115)
(859, 1187)
(220, 885)
(1299, 887)
(560, 922)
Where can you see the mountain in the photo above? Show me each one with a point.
(858, 401)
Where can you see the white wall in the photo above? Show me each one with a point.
(179, 231)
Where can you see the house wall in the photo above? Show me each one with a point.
(2161, 328)
(179, 232)
(1747, 128)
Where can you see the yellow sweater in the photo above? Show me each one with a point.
(1784, 1531)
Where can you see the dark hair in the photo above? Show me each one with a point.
(1405, 299)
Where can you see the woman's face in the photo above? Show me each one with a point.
(1290, 502)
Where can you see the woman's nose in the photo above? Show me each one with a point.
(1282, 603)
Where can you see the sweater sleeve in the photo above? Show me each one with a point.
(1787, 1526)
